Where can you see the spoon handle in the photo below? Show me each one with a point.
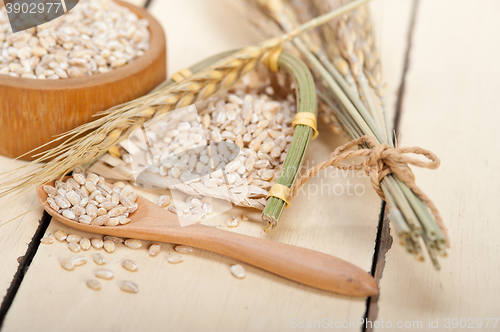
(302, 265)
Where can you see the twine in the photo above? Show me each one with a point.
(380, 161)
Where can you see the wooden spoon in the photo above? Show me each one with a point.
(312, 268)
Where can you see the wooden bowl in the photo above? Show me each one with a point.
(33, 111)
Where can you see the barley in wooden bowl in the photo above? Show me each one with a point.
(58, 75)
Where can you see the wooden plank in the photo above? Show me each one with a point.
(15, 235)
(449, 108)
(200, 293)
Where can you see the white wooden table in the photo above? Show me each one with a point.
(441, 64)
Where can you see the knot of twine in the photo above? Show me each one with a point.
(380, 161)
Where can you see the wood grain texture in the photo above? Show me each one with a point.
(451, 108)
(57, 106)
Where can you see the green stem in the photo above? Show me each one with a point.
(306, 98)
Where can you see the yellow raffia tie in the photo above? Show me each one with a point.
(306, 119)
(181, 75)
(280, 191)
(271, 59)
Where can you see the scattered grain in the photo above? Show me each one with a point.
(128, 286)
(73, 238)
(183, 249)
(67, 264)
(85, 243)
(79, 260)
(154, 249)
(174, 258)
(109, 246)
(93, 284)
(129, 265)
(133, 243)
(74, 247)
(60, 235)
(233, 222)
(46, 240)
(104, 273)
(238, 271)
(99, 259)
(96, 243)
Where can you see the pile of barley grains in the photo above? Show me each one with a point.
(89, 200)
(95, 37)
(255, 129)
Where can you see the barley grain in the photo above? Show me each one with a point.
(183, 249)
(85, 243)
(104, 273)
(62, 202)
(99, 259)
(154, 249)
(73, 238)
(100, 221)
(124, 221)
(238, 271)
(174, 258)
(93, 284)
(49, 189)
(133, 243)
(67, 264)
(60, 235)
(74, 247)
(96, 243)
(233, 222)
(116, 240)
(46, 240)
(128, 286)
(109, 246)
(129, 265)
(79, 260)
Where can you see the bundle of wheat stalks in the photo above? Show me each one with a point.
(343, 57)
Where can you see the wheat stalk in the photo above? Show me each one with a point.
(84, 143)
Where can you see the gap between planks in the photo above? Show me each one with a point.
(384, 239)
(24, 263)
